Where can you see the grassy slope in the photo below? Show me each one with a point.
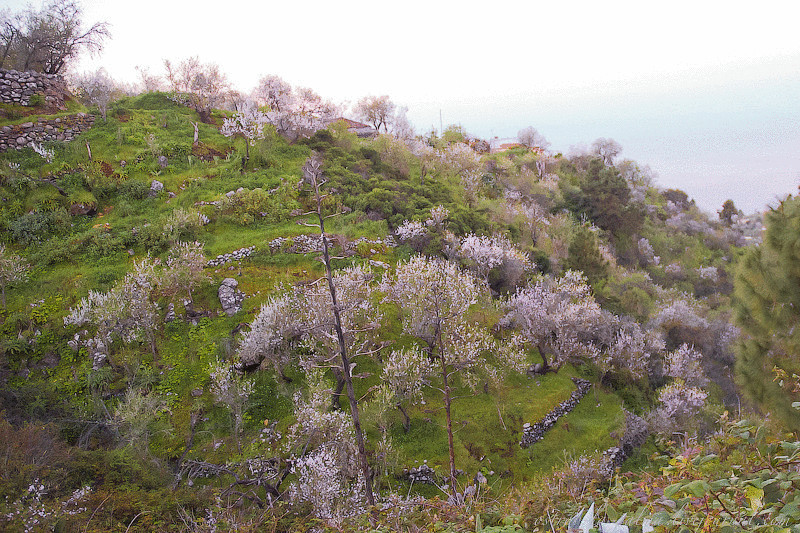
(487, 426)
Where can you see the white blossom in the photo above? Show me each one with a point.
(329, 474)
(125, 311)
(410, 230)
(184, 267)
(275, 327)
(46, 153)
(438, 216)
(632, 347)
(679, 399)
(709, 273)
(231, 389)
(359, 316)
(562, 319)
(647, 252)
(32, 512)
(679, 312)
(485, 253)
(684, 364)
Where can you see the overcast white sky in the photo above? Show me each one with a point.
(705, 92)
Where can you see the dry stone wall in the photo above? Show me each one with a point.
(18, 87)
(533, 433)
(62, 129)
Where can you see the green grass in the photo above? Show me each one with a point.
(73, 106)
(487, 428)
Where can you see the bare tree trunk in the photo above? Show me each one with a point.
(406, 418)
(337, 393)
(447, 402)
(543, 353)
(196, 133)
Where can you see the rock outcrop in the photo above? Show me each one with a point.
(230, 297)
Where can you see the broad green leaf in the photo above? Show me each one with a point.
(698, 488)
(756, 497)
(791, 510)
(673, 489)
(720, 484)
(661, 518)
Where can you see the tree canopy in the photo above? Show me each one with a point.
(48, 40)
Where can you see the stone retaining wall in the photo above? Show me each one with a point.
(533, 433)
(18, 87)
(636, 433)
(41, 130)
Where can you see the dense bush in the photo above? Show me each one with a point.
(249, 205)
(38, 226)
(133, 189)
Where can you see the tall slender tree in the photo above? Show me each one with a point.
(313, 176)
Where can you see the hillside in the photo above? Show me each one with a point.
(169, 359)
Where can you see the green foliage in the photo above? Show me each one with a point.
(633, 295)
(36, 100)
(133, 189)
(454, 133)
(767, 306)
(584, 255)
(38, 226)
(246, 206)
(604, 196)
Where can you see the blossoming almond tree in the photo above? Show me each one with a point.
(272, 334)
(359, 317)
(232, 390)
(558, 317)
(328, 469)
(248, 122)
(125, 311)
(484, 253)
(435, 296)
(682, 399)
(404, 373)
(184, 268)
(278, 96)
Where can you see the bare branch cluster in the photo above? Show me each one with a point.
(48, 40)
